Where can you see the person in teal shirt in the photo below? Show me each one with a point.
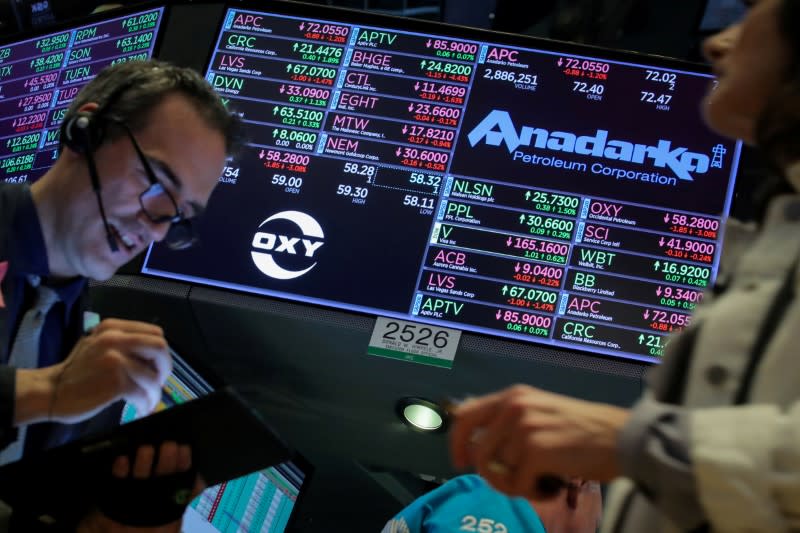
(468, 503)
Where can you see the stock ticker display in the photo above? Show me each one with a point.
(40, 77)
(539, 195)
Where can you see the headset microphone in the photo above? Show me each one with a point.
(79, 134)
(112, 241)
(84, 132)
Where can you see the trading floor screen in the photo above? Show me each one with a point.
(543, 195)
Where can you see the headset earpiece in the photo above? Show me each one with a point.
(81, 132)
(84, 131)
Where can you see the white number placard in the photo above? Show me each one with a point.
(410, 341)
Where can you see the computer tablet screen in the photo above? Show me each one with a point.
(263, 501)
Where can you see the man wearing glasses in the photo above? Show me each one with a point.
(143, 146)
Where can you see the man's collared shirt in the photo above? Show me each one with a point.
(22, 249)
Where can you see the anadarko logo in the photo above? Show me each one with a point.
(268, 243)
(498, 127)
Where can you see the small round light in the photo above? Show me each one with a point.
(421, 414)
(422, 417)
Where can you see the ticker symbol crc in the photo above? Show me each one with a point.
(579, 330)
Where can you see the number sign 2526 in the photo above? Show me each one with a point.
(410, 341)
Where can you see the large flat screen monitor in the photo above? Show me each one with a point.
(40, 76)
(565, 196)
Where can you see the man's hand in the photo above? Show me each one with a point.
(530, 433)
(119, 359)
(172, 458)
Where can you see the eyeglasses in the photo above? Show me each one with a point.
(160, 207)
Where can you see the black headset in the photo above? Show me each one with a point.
(83, 132)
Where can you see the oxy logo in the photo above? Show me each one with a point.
(267, 244)
(498, 128)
